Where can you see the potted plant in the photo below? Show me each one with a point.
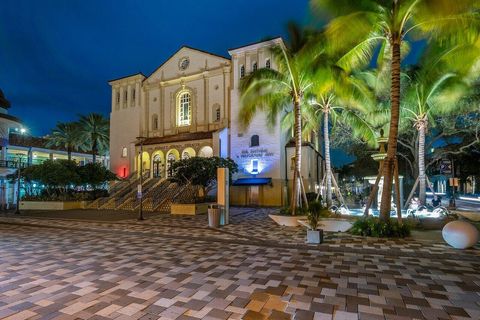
(315, 212)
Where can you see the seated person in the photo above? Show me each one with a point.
(414, 203)
(436, 201)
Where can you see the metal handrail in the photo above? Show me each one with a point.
(14, 164)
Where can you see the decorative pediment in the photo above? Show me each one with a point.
(187, 61)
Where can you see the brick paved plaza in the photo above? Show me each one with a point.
(176, 268)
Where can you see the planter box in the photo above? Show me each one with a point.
(189, 209)
(52, 205)
(288, 221)
(315, 236)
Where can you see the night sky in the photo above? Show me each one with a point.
(56, 56)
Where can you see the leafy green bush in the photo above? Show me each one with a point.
(63, 180)
(201, 171)
(374, 227)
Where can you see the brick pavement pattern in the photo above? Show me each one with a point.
(176, 268)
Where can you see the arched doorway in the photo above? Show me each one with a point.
(145, 158)
(205, 152)
(188, 153)
(172, 156)
(158, 164)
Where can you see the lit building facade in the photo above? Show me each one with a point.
(18, 149)
(189, 107)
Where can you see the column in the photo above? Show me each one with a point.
(30, 157)
(206, 107)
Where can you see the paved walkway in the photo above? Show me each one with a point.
(176, 268)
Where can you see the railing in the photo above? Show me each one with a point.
(14, 164)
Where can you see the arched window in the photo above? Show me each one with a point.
(185, 155)
(242, 71)
(124, 152)
(267, 64)
(155, 122)
(254, 141)
(184, 109)
(170, 161)
(254, 67)
(157, 166)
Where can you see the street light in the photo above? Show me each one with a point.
(17, 208)
(140, 139)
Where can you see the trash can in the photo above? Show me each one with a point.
(213, 216)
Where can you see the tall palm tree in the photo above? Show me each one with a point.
(65, 135)
(275, 91)
(94, 129)
(365, 25)
(436, 89)
(338, 96)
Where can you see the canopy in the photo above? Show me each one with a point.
(252, 181)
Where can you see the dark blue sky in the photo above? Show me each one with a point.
(56, 56)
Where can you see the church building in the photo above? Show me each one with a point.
(189, 106)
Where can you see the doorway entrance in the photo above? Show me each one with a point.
(253, 195)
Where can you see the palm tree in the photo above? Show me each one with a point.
(65, 135)
(94, 129)
(436, 89)
(338, 97)
(363, 26)
(275, 91)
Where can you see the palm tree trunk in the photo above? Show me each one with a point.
(328, 168)
(94, 150)
(421, 165)
(298, 156)
(69, 153)
(393, 132)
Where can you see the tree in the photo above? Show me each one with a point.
(61, 178)
(95, 174)
(434, 91)
(200, 171)
(276, 91)
(361, 27)
(94, 130)
(65, 135)
(338, 97)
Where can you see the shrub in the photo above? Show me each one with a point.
(312, 196)
(63, 180)
(201, 171)
(287, 211)
(315, 212)
(374, 227)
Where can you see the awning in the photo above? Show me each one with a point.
(252, 181)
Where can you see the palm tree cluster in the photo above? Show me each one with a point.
(350, 73)
(89, 134)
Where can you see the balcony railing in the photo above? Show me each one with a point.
(12, 164)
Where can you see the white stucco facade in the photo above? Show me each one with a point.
(189, 106)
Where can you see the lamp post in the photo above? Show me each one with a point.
(17, 207)
(141, 139)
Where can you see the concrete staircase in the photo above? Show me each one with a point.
(158, 195)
